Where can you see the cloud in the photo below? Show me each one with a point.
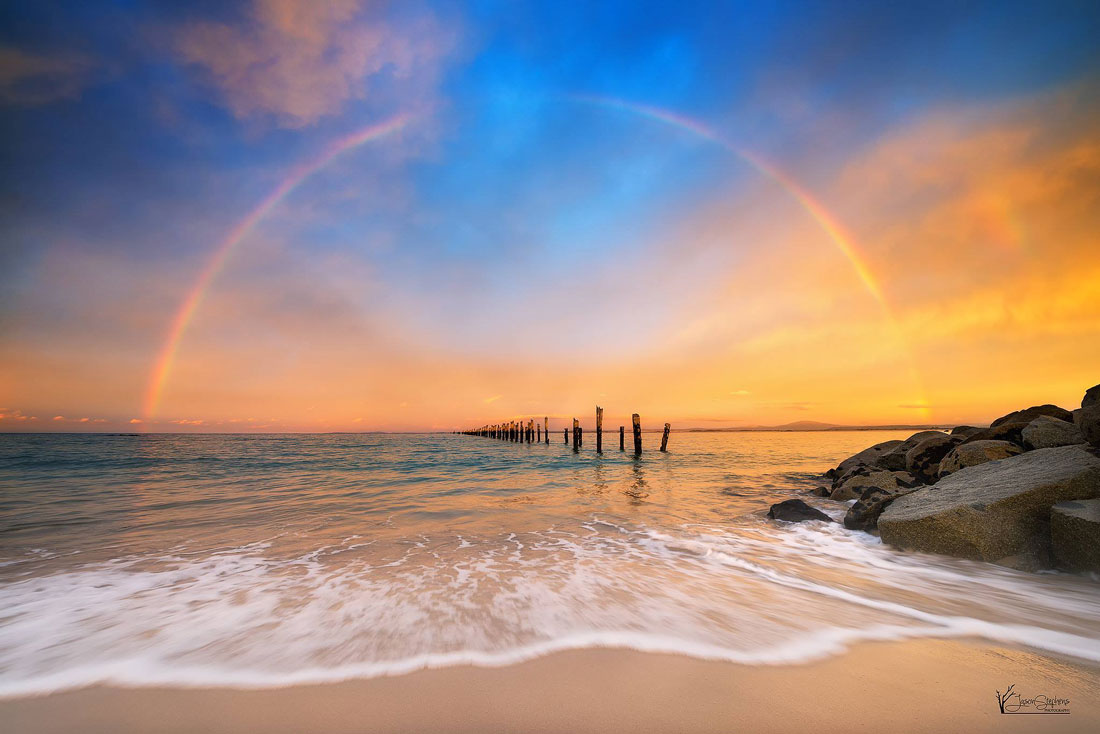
(29, 80)
(298, 62)
(136, 420)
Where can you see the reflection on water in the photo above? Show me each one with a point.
(261, 560)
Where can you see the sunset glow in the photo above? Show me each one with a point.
(355, 217)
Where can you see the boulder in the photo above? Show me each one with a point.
(1092, 397)
(894, 459)
(1075, 535)
(1012, 432)
(820, 491)
(972, 453)
(1088, 422)
(1029, 414)
(965, 431)
(1045, 433)
(998, 511)
(866, 458)
(923, 460)
(890, 481)
(864, 514)
(796, 511)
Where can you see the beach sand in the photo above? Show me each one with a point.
(916, 686)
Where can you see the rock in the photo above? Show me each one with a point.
(1088, 422)
(894, 459)
(865, 458)
(1075, 535)
(1092, 397)
(1029, 414)
(923, 460)
(972, 453)
(864, 514)
(820, 491)
(998, 511)
(796, 511)
(1011, 432)
(891, 481)
(1045, 433)
(965, 431)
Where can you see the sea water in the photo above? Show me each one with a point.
(267, 560)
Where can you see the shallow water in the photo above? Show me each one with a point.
(258, 560)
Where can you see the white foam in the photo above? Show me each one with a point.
(751, 595)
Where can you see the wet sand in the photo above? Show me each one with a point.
(918, 686)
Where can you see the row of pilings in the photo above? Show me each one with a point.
(531, 431)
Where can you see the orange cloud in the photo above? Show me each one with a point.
(299, 62)
(29, 80)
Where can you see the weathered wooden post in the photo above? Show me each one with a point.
(637, 434)
(622, 438)
(530, 430)
(576, 435)
(565, 436)
(664, 438)
(599, 430)
(546, 428)
(538, 433)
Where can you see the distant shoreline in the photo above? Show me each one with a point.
(747, 429)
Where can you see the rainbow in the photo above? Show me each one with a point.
(222, 252)
(814, 208)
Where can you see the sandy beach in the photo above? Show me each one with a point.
(922, 686)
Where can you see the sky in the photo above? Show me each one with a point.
(273, 215)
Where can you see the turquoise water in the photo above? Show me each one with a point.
(261, 560)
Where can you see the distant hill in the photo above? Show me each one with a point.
(805, 426)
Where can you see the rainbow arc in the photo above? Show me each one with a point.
(186, 312)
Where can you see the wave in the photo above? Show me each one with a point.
(364, 608)
(139, 673)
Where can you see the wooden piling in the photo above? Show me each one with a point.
(599, 430)
(565, 436)
(622, 438)
(576, 435)
(637, 421)
(546, 428)
(664, 437)
(538, 433)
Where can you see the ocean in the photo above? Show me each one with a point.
(270, 560)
